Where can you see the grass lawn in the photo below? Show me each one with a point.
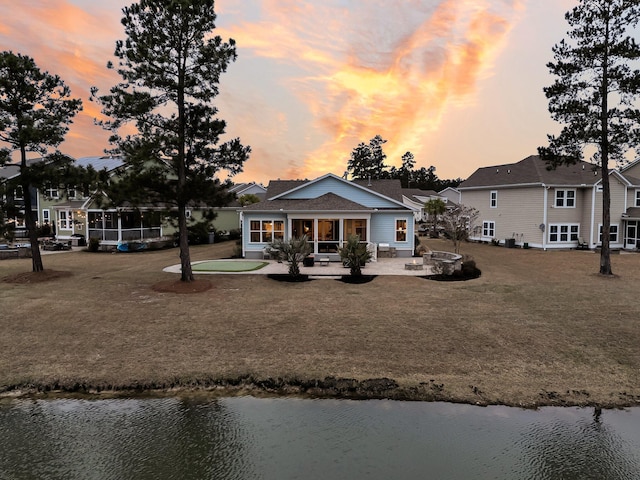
(537, 328)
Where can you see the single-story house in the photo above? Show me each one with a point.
(328, 210)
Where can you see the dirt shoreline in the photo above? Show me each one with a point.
(327, 388)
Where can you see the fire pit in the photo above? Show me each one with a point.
(413, 266)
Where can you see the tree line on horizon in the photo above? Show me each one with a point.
(367, 161)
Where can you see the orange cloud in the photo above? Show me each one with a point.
(392, 68)
(71, 42)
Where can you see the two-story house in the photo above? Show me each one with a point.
(526, 203)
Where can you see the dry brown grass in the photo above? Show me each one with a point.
(537, 328)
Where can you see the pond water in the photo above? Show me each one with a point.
(251, 438)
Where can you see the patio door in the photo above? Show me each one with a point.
(631, 238)
(328, 235)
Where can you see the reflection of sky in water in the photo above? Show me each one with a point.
(245, 438)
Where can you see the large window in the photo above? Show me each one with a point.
(401, 230)
(565, 198)
(489, 229)
(637, 202)
(613, 233)
(566, 232)
(494, 199)
(65, 220)
(266, 231)
(355, 227)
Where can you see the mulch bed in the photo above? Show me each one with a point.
(285, 277)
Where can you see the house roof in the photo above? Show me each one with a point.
(279, 193)
(391, 188)
(631, 180)
(633, 213)
(326, 202)
(100, 163)
(9, 170)
(531, 171)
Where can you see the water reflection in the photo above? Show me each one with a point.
(248, 438)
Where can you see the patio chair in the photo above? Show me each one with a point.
(582, 244)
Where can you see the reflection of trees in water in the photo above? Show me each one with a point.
(580, 450)
(120, 439)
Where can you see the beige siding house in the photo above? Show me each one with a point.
(525, 204)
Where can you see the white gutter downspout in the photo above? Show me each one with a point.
(593, 214)
(544, 217)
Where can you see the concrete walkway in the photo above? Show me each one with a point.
(384, 266)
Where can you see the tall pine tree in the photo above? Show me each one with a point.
(595, 92)
(170, 66)
(36, 109)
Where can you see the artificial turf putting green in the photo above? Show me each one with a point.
(228, 266)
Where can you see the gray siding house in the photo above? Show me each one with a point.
(525, 203)
(328, 210)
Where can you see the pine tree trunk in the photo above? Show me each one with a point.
(36, 258)
(605, 252)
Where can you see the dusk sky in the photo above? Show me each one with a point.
(456, 82)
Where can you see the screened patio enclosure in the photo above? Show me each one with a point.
(114, 227)
(326, 235)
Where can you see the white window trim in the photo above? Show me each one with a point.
(564, 198)
(67, 223)
(637, 199)
(261, 231)
(46, 216)
(493, 199)
(489, 225)
(50, 192)
(617, 232)
(559, 232)
(397, 230)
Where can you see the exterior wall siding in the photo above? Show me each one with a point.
(383, 227)
(342, 189)
(518, 214)
(618, 207)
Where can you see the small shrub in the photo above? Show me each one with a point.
(354, 255)
(94, 244)
(237, 250)
(293, 251)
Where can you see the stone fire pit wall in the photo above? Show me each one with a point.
(450, 262)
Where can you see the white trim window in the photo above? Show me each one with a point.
(18, 193)
(51, 191)
(637, 202)
(71, 193)
(493, 199)
(65, 220)
(565, 198)
(401, 229)
(613, 233)
(489, 228)
(46, 216)
(266, 231)
(564, 232)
